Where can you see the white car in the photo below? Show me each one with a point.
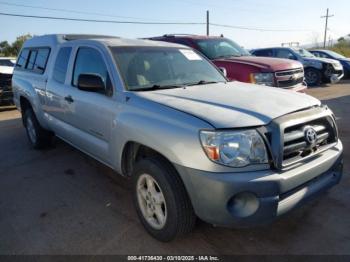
(7, 65)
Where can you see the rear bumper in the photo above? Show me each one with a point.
(271, 194)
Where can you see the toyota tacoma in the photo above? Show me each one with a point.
(192, 143)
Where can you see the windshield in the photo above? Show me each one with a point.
(6, 62)
(334, 54)
(220, 48)
(145, 68)
(303, 52)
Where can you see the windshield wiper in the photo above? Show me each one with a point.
(227, 56)
(156, 87)
(202, 82)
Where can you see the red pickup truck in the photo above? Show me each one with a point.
(238, 64)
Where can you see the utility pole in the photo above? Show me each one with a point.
(326, 27)
(207, 22)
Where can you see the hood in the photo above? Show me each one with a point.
(232, 105)
(265, 63)
(345, 60)
(6, 70)
(321, 59)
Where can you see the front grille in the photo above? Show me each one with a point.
(286, 136)
(306, 139)
(5, 81)
(290, 78)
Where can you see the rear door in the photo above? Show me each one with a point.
(57, 91)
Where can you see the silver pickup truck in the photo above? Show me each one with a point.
(194, 144)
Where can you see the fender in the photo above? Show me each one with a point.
(31, 88)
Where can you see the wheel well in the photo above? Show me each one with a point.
(133, 152)
(25, 104)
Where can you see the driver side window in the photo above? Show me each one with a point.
(89, 61)
(285, 53)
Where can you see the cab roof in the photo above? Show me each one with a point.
(56, 39)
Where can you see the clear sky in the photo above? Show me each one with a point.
(272, 14)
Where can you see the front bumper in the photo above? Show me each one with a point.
(276, 192)
(300, 88)
(335, 77)
(6, 96)
(6, 93)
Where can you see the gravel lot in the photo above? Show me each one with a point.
(60, 201)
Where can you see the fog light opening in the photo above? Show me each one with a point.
(243, 204)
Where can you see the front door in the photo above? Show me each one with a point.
(91, 114)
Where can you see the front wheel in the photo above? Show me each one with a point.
(313, 77)
(161, 200)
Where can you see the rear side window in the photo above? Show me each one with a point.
(22, 59)
(265, 52)
(41, 60)
(33, 59)
(61, 64)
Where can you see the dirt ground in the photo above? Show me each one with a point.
(60, 201)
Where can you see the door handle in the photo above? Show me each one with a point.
(69, 99)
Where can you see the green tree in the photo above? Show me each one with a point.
(5, 48)
(12, 50)
(17, 45)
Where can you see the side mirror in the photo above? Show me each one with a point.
(91, 83)
(223, 70)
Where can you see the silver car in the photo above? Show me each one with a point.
(193, 144)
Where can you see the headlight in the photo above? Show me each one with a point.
(266, 79)
(234, 148)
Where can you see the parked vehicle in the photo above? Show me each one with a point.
(345, 61)
(194, 144)
(6, 69)
(238, 64)
(317, 70)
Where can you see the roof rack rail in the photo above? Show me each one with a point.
(71, 37)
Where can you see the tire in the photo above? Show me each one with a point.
(38, 137)
(313, 77)
(178, 215)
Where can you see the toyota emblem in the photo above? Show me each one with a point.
(310, 135)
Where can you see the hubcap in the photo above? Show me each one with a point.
(151, 201)
(31, 130)
(311, 77)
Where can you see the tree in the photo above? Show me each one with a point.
(17, 45)
(5, 48)
(12, 50)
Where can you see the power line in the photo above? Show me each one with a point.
(150, 23)
(74, 11)
(259, 29)
(102, 21)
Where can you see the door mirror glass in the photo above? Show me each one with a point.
(91, 83)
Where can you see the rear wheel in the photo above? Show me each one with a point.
(161, 200)
(313, 77)
(38, 137)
